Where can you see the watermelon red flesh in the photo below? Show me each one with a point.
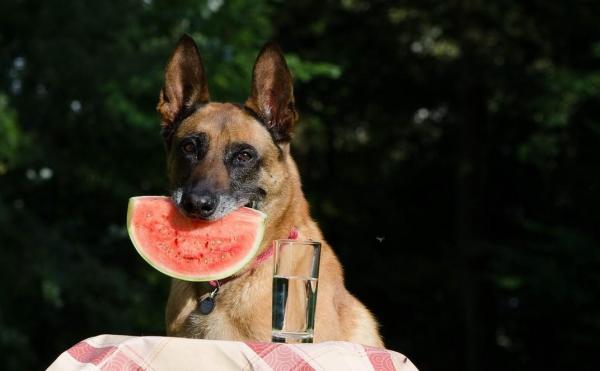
(192, 249)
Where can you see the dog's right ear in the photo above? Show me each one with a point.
(185, 83)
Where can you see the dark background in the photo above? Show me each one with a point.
(449, 149)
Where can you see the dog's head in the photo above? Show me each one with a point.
(221, 156)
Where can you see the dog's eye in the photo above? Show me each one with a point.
(188, 147)
(243, 157)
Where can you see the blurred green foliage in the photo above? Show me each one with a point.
(450, 151)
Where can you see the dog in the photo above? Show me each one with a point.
(222, 156)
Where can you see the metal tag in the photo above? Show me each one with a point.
(207, 303)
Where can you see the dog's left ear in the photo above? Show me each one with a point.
(272, 94)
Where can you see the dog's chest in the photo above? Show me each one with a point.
(242, 311)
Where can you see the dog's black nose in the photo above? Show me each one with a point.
(207, 204)
(200, 204)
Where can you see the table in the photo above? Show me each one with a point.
(118, 352)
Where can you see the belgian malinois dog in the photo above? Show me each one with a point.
(222, 156)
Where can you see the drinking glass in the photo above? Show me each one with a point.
(295, 282)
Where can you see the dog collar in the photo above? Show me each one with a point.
(207, 301)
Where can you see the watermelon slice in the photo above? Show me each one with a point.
(192, 249)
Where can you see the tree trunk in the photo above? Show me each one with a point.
(474, 290)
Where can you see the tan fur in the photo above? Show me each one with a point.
(243, 310)
(243, 305)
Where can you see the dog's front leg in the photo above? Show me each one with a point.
(182, 301)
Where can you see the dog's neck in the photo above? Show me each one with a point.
(284, 217)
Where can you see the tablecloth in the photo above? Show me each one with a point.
(118, 352)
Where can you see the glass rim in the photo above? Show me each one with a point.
(300, 242)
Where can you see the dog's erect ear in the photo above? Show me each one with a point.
(185, 83)
(272, 95)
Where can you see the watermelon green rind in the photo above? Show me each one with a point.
(204, 278)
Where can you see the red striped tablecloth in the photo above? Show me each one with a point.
(117, 352)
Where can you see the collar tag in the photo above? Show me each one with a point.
(207, 301)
